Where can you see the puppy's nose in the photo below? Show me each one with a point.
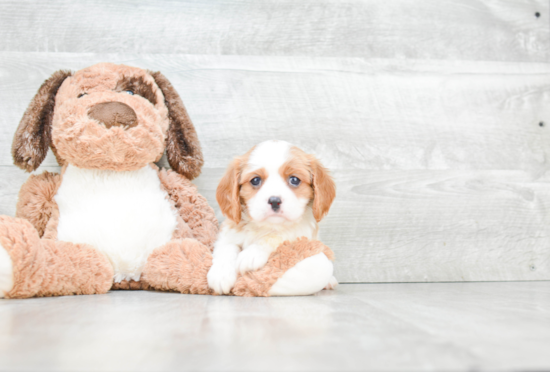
(114, 114)
(275, 202)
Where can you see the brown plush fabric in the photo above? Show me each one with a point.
(180, 266)
(50, 268)
(36, 199)
(33, 136)
(108, 117)
(131, 285)
(258, 283)
(113, 114)
(81, 140)
(199, 218)
(51, 227)
(76, 138)
(138, 85)
(183, 148)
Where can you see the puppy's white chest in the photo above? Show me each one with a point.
(274, 235)
(125, 215)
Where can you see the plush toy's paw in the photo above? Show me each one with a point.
(250, 259)
(307, 277)
(221, 278)
(6, 272)
(332, 283)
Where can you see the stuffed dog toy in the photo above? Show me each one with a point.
(111, 219)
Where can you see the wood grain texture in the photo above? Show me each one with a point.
(356, 114)
(429, 29)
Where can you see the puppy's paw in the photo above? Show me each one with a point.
(221, 277)
(250, 259)
(332, 283)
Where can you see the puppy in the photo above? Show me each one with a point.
(274, 192)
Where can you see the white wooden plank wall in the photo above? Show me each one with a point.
(428, 113)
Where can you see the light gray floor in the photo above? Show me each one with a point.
(449, 326)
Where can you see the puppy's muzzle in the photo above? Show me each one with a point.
(275, 202)
(114, 114)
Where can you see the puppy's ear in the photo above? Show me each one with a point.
(324, 189)
(183, 148)
(227, 193)
(34, 134)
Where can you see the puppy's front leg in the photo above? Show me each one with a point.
(253, 257)
(222, 275)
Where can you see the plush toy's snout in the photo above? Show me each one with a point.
(113, 114)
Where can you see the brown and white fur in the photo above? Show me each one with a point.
(111, 218)
(272, 194)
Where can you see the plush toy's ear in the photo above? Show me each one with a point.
(34, 134)
(324, 189)
(227, 193)
(183, 148)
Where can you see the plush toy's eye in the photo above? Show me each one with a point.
(129, 92)
(294, 181)
(256, 181)
(82, 95)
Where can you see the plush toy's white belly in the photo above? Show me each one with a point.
(125, 215)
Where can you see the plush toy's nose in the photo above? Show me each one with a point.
(114, 114)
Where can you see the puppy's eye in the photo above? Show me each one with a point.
(129, 92)
(294, 181)
(256, 181)
(81, 95)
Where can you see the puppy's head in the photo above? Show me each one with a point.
(108, 116)
(275, 182)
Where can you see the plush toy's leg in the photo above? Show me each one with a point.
(6, 272)
(31, 267)
(180, 265)
(298, 268)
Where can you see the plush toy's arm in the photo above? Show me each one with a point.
(192, 207)
(299, 267)
(36, 199)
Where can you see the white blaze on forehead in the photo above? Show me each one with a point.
(269, 155)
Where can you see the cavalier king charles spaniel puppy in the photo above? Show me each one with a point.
(273, 193)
